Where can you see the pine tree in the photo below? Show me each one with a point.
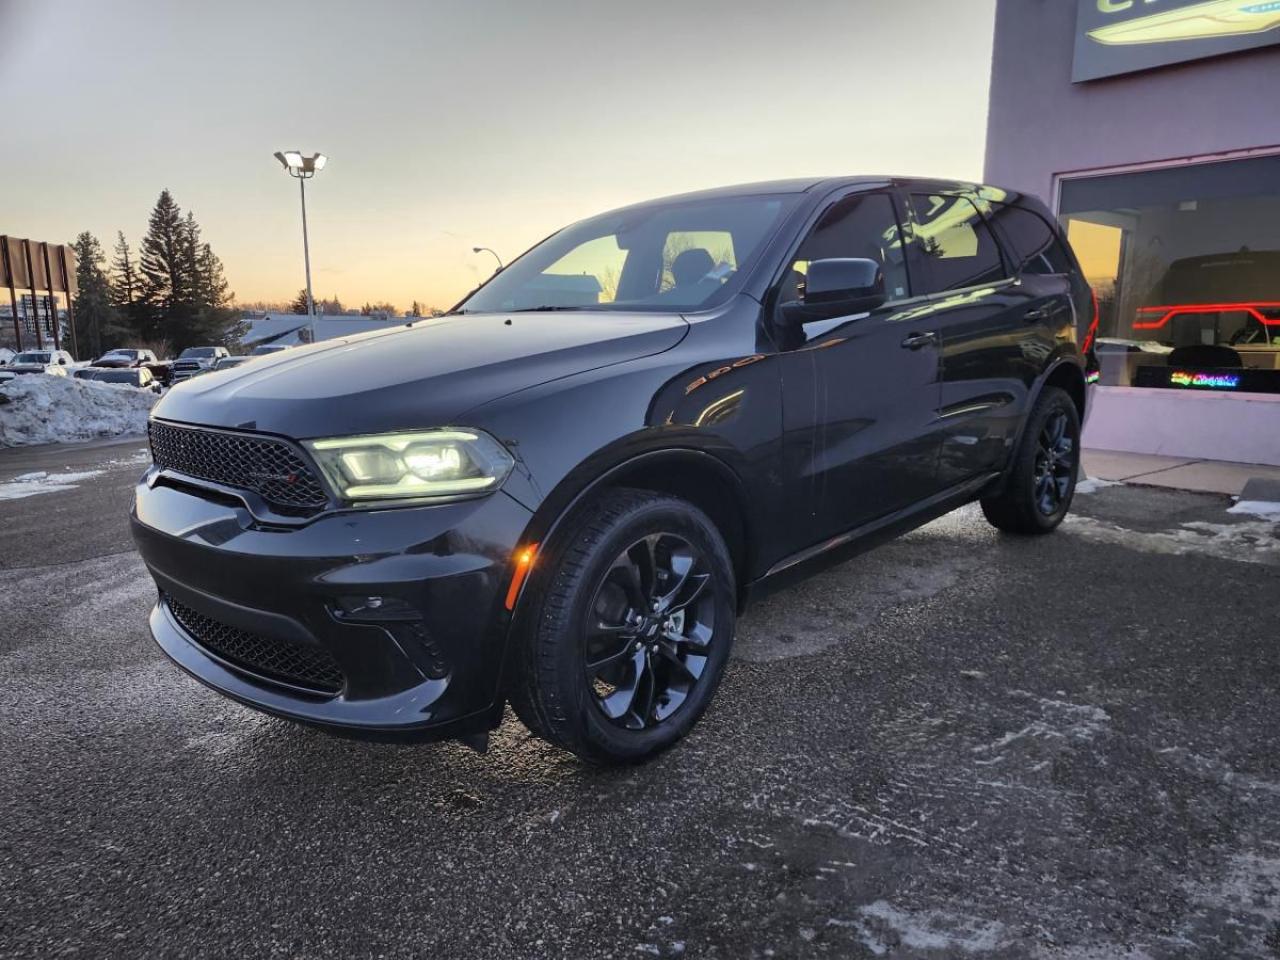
(184, 288)
(164, 268)
(299, 304)
(126, 286)
(96, 320)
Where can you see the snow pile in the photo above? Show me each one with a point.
(37, 408)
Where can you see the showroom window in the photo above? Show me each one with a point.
(1185, 262)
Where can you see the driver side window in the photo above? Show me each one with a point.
(864, 226)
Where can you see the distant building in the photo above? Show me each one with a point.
(27, 320)
(291, 329)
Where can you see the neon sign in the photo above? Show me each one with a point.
(1164, 314)
(1204, 381)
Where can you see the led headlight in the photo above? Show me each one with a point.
(404, 466)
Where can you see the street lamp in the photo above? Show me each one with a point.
(303, 169)
(487, 250)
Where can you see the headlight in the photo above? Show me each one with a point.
(402, 466)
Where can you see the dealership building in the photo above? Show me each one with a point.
(1152, 129)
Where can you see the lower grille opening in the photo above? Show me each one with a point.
(311, 668)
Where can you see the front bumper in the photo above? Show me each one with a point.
(406, 605)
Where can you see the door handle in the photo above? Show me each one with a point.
(918, 340)
(1038, 314)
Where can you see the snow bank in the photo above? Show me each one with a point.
(37, 408)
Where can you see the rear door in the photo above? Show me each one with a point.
(992, 326)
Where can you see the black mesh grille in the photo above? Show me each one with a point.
(301, 666)
(271, 468)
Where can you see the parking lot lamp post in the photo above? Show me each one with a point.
(487, 250)
(303, 169)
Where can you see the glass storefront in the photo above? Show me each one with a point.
(1185, 262)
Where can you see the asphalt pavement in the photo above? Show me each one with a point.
(961, 744)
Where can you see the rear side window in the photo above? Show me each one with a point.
(956, 244)
(1031, 239)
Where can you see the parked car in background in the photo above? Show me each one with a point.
(162, 370)
(139, 377)
(55, 362)
(6, 355)
(262, 349)
(194, 361)
(125, 357)
(565, 504)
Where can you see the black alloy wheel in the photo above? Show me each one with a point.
(649, 631)
(1036, 492)
(1055, 464)
(625, 627)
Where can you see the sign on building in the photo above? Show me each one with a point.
(1123, 36)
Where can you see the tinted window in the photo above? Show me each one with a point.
(955, 242)
(1032, 239)
(863, 226)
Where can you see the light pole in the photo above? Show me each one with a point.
(487, 250)
(303, 169)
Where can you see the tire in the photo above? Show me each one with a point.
(588, 637)
(1037, 493)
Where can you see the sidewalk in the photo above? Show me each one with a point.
(1182, 473)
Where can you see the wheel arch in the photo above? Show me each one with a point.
(693, 474)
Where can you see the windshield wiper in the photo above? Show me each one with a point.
(543, 309)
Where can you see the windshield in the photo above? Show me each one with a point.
(663, 256)
(33, 357)
(197, 353)
(121, 354)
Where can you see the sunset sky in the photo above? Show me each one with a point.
(456, 124)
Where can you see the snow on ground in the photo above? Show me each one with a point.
(1094, 484)
(1266, 509)
(47, 409)
(31, 484)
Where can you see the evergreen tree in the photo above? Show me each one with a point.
(126, 286)
(299, 304)
(97, 326)
(164, 268)
(184, 289)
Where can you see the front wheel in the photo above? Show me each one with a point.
(1042, 478)
(629, 623)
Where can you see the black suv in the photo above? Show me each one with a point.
(562, 493)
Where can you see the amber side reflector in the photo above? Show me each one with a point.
(524, 563)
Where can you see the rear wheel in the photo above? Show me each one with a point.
(1042, 481)
(628, 628)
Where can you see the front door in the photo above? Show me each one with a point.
(861, 392)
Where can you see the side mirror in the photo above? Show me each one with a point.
(837, 287)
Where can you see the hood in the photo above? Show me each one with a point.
(424, 374)
(30, 367)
